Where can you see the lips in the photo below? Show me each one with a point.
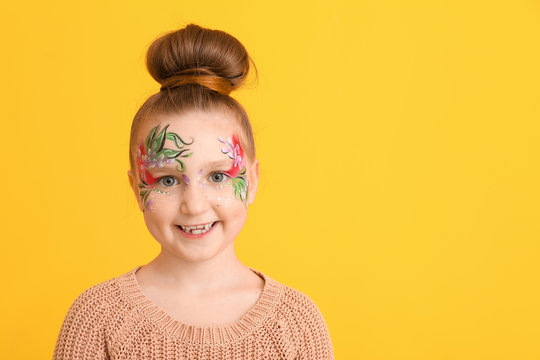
(199, 229)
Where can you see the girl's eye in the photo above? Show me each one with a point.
(218, 177)
(168, 181)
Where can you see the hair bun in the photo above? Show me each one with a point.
(200, 76)
(194, 54)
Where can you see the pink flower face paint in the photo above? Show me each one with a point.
(233, 149)
(237, 172)
(153, 154)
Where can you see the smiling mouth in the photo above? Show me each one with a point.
(197, 229)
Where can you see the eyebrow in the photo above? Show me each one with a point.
(165, 168)
(218, 163)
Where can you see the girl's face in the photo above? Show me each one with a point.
(193, 182)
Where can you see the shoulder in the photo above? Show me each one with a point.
(99, 296)
(297, 302)
(96, 301)
(82, 333)
(299, 319)
(289, 299)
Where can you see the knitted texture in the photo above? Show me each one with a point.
(115, 320)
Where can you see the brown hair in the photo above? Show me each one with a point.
(197, 69)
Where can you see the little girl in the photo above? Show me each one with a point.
(194, 174)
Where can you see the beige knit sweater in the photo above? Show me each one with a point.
(115, 320)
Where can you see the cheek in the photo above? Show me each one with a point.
(223, 201)
(159, 213)
(219, 195)
(159, 203)
(228, 206)
(234, 216)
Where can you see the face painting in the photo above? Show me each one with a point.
(237, 172)
(220, 182)
(153, 154)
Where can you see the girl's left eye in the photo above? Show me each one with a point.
(218, 177)
(168, 181)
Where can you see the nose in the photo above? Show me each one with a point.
(193, 201)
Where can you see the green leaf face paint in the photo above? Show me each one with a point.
(237, 172)
(153, 154)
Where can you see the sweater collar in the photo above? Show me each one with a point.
(263, 309)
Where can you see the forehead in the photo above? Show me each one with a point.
(203, 127)
(191, 123)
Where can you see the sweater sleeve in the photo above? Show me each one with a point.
(311, 334)
(317, 335)
(82, 334)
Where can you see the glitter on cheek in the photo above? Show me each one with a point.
(152, 200)
(223, 185)
(222, 201)
(221, 194)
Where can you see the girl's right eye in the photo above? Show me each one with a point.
(168, 181)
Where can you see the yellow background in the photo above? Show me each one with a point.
(399, 151)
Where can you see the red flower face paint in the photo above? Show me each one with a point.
(145, 174)
(153, 154)
(234, 150)
(238, 169)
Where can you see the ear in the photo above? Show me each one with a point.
(253, 181)
(135, 186)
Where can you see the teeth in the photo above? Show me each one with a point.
(198, 229)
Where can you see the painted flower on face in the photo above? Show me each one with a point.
(150, 160)
(240, 186)
(238, 169)
(233, 149)
(152, 154)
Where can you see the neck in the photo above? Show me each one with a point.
(222, 271)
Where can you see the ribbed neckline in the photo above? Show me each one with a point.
(264, 308)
